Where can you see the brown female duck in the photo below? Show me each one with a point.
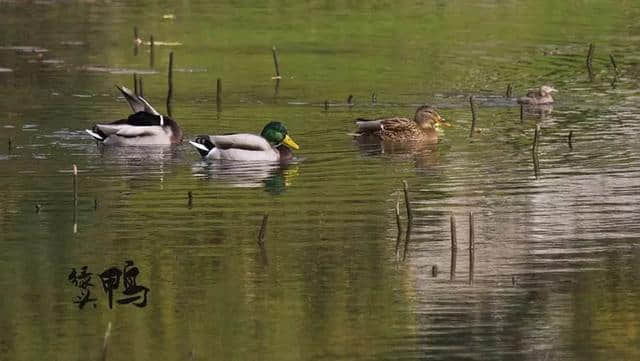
(423, 127)
(538, 97)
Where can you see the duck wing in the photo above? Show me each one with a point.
(129, 131)
(241, 141)
(389, 124)
(398, 124)
(136, 102)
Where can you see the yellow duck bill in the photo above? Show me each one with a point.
(290, 143)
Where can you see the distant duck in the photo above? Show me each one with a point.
(423, 127)
(273, 144)
(538, 97)
(145, 127)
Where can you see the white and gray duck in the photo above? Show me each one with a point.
(145, 127)
(273, 144)
(538, 97)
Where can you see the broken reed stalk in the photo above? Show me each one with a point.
(170, 80)
(140, 92)
(473, 116)
(190, 199)
(263, 230)
(521, 112)
(472, 247)
(536, 139)
(569, 139)
(350, 100)
(219, 94)
(590, 55)
(534, 151)
(407, 239)
(135, 83)
(276, 88)
(454, 247)
(590, 60)
(105, 343)
(75, 185)
(407, 201)
(472, 232)
(136, 41)
(399, 225)
(261, 235)
(613, 62)
(509, 90)
(275, 62)
(152, 50)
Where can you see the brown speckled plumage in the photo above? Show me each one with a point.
(538, 96)
(397, 129)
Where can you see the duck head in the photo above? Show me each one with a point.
(276, 134)
(428, 118)
(547, 90)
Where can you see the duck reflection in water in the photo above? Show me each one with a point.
(275, 177)
(147, 164)
(541, 111)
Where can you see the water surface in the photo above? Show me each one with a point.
(557, 248)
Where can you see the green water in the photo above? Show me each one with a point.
(557, 250)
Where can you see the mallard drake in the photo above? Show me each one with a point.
(145, 127)
(423, 126)
(273, 144)
(537, 97)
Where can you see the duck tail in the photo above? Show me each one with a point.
(136, 102)
(368, 125)
(203, 144)
(96, 133)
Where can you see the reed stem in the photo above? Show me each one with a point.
(407, 201)
(521, 113)
(473, 116)
(613, 62)
(472, 247)
(263, 230)
(454, 247)
(105, 343)
(570, 138)
(276, 62)
(219, 94)
(170, 81)
(140, 91)
(399, 226)
(151, 51)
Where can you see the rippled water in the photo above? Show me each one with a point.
(557, 247)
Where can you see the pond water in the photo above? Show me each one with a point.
(557, 246)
